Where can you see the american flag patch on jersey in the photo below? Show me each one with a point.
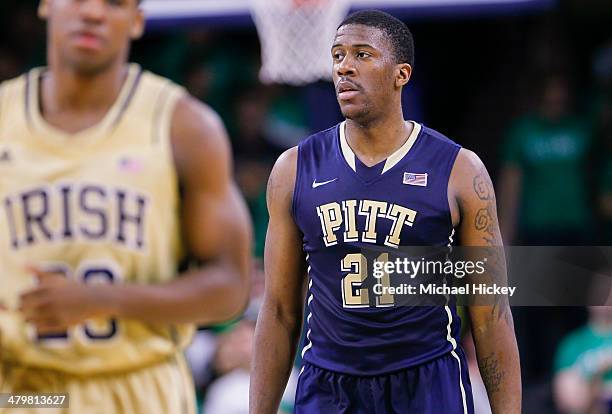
(129, 165)
(415, 179)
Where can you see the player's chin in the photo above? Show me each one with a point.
(353, 111)
(88, 64)
(349, 108)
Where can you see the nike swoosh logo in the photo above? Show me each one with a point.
(315, 184)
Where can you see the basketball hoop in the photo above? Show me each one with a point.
(296, 38)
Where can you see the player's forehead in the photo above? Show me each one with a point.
(359, 34)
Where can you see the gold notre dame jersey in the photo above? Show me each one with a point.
(99, 206)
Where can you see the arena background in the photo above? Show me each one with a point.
(484, 70)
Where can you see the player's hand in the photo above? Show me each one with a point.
(57, 302)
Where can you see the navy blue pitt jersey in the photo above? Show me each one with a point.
(342, 207)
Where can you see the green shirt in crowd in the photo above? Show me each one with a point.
(553, 161)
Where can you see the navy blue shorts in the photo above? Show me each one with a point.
(433, 388)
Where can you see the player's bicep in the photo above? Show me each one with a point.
(213, 213)
(283, 258)
(475, 197)
(214, 223)
(479, 227)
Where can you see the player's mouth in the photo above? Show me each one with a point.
(87, 40)
(347, 90)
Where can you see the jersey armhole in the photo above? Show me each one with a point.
(297, 188)
(446, 201)
(3, 93)
(163, 116)
(163, 112)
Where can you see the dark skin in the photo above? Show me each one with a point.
(474, 213)
(375, 128)
(88, 48)
(375, 124)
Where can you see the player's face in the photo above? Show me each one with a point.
(91, 35)
(364, 72)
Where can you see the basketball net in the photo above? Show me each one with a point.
(296, 38)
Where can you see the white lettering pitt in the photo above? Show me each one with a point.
(333, 215)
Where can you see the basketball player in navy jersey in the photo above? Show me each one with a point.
(111, 176)
(375, 180)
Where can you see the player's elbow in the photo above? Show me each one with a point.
(219, 293)
(281, 313)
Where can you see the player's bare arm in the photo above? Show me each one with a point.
(280, 319)
(492, 327)
(217, 235)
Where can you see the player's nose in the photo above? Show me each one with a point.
(345, 67)
(92, 10)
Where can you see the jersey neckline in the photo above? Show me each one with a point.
(112, 117)
(392, 160)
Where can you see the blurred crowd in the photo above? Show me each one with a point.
(532, 95)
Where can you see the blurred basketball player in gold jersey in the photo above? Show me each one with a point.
(92, 153)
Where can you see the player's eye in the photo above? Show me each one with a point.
(363, 55)
(337, 55)
(116, 2)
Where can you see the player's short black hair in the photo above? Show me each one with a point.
(394, 29)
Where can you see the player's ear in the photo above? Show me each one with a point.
(138, 26)
(404, 71)
(43, 9)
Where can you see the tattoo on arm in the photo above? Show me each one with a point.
(492, 375)
(483, 187)
(485, 221)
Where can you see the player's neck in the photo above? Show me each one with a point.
(64, 89)
(376, 141)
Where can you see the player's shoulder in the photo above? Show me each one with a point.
(14, 86)
(197, 132)
(434, 137)
(281, 183)
(193, 117)
(153, 80)
(193, 123)
(322, 140)
(197, 124)
(285, 166)
(465, 160)
(466, 165)
(14, 82)
(155, 90)
(284, 176)
(199, 138)
(318, 148)
(13, 92)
